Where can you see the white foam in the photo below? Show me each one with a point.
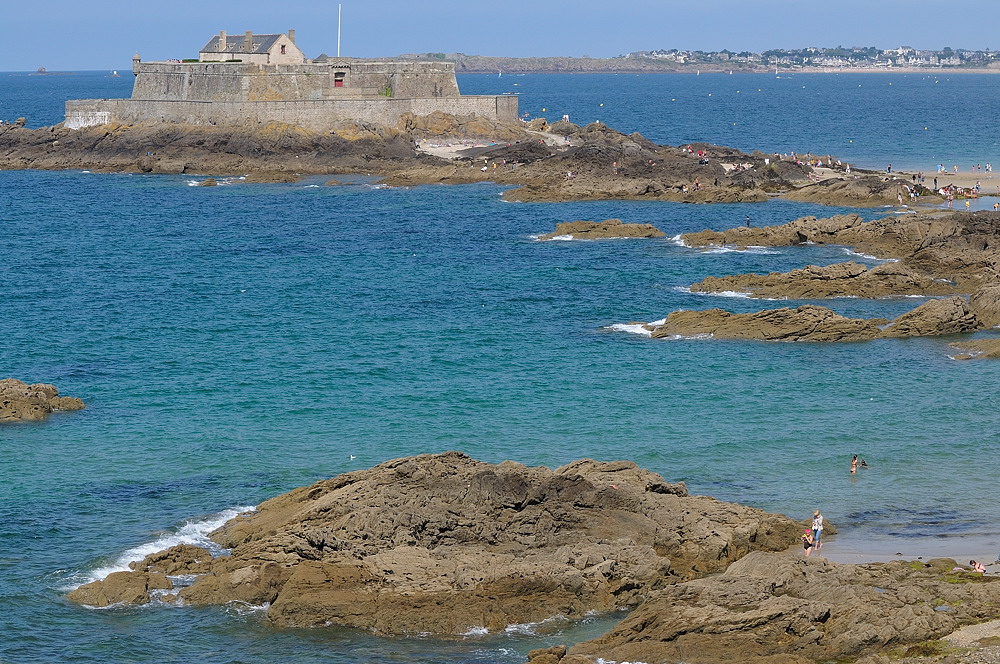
(729, 248)
(531, 629)
(851, 252)
(557, 238)
(728, 293)
(191, 532)
(762, 251)
(476, 631)
(679, 240)
(631, 328)
(242, 608)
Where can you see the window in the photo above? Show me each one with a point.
(283, 49)
(338, 79)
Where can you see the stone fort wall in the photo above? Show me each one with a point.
(332, 79)
(314, 95)
(317, 115)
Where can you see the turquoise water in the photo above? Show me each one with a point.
(238, 341)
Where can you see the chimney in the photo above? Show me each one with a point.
(291, 36)
(222, 41)
(248, 42)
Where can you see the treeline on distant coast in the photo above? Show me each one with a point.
(485, 64)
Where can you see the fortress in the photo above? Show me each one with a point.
(254, 79)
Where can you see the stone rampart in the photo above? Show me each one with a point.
(332, 79)
(317, 115)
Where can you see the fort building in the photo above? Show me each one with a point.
(249, 79)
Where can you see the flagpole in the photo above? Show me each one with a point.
(338, 30)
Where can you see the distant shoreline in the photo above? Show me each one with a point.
(513, 71)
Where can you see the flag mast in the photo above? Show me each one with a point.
(338, 30)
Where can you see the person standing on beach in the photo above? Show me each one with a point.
(807, 542)
(817, 530)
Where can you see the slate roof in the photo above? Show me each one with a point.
(235, 43)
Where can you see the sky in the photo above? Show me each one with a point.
(103, 34)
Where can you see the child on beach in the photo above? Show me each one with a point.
(807, 542)
(976, 566)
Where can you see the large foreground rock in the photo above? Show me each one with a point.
(443, 544)
(20, 401)
(782, 609)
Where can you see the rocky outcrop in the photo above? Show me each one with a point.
(838, 280)
(121, 588)
(443, 543)
(20, 401)
(439, 124)
(806, 323)
(177, 148)
(582, 163)
(814, 323)
(934, 318)
(985, 303)
(602, 230)
(866, 191)
(961, 248)
(978, 349)
(783, 609)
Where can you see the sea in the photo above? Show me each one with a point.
(235, 342)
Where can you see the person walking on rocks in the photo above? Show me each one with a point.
(817, 529)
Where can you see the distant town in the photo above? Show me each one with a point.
(840, 57)
(678, 60)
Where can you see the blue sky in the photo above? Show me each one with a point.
(103, 34)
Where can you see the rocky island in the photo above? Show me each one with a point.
(22, 402)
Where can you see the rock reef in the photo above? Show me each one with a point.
(22, 402)
(962, 248)
(838, 280)
(932, 255)
(602, 230)
(443, 544)
(772, 608)
(814, 323)
(578, 163)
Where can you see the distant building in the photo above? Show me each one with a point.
(260, 78)
(277, 49)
